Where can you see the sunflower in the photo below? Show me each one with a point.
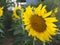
(16, 13)
(39, 23)
(1, 11)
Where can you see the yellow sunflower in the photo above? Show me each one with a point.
(39, 23)
(1, 11)
(16, 13)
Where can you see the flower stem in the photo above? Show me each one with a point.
(33, 42)
(43, 43)
(22, 23)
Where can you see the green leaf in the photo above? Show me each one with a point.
(17, 32)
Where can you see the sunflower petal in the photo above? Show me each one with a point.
(50, 24)
(51, 19)
(47, 14)
(39, 7)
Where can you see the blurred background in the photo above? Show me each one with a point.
(11, 30)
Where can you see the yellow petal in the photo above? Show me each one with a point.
(56, 10)
(39, 7)
(41, 37)
(27, 27)
(1, 11)
(46, 37)
(51, 19)
(38, 10)
(52, 30)
(47, 14)
(50, 24)
(43, 7)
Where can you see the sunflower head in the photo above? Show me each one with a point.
(1, 11)
(17, 12)
(39, 23)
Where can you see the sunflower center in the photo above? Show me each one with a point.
(38, 23)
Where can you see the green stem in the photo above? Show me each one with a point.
(43, 43)
(22, 23)
(33, 42)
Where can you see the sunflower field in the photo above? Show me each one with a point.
(29, 22)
